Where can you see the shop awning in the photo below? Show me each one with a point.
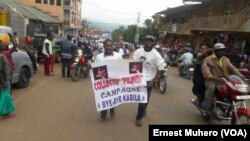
(30, 12)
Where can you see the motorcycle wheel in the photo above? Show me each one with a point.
(189, 76)
(75, 76)
(242, 120)
(162, 85)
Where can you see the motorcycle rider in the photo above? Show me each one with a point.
(159, 49)
(198, 79)
(214, 67)
(186, 59)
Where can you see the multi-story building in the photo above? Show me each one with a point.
(72, 16)
(226, 21)
(67, 11)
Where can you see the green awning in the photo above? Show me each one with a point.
(30, 12)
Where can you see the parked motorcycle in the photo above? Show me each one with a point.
(187, 71)
(80, 66)
(229, 103)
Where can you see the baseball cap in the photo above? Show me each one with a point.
(219, 46)
(150, 37)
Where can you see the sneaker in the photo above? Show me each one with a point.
(138, 123)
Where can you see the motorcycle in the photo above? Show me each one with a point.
(187, 71)
(171, 59)
(80, 66)
(162, 81)
(229, 102)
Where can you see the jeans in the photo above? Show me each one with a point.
(143, 106)
(66, 63)
(209, 95)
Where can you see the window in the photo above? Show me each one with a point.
(59, 2)
(38, 1)
(52, 2)
(45, 1)
(229, 11)
(247, 10)
(67, 2)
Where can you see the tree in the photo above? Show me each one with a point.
(129, 33)
(117, 34)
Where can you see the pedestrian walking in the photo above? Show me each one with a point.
(108, 54)
(154, 63)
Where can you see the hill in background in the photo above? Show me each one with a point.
(105, 26)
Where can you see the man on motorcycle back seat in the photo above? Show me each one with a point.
(186, 59)
(198, 79)
(214, 67)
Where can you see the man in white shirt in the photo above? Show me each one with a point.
(108, 54)
(154, 63)
(186, 59)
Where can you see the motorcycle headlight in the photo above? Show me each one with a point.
(191, 69)
(77, 59)
(243, 88)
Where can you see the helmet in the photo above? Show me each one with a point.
(150, 37)
(219, 46)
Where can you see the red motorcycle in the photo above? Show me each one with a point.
(80, 66)
(229, 103)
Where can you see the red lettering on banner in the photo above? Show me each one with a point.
(102, 84)
(136, 79)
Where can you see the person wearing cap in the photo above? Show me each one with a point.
(214, 67)
(154, 64)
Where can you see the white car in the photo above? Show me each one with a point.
(23, 69)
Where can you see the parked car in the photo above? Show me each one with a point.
(23, 69)
(38, 44)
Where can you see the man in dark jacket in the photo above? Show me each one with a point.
(67, 50)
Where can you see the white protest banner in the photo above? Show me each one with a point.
(118, 81)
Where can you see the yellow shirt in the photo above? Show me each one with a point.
(218, 60)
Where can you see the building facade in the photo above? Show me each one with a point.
(67, 11)
(225, 21)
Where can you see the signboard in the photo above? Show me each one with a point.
(118, 81)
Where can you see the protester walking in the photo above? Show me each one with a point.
(108, 54)
(154, 63)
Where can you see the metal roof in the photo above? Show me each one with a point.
(30, 12)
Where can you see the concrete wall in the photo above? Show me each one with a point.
(52, 10)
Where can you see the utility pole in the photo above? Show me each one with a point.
(137, 32)
(138, 22)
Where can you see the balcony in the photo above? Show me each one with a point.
(175, 28)
(215, 23)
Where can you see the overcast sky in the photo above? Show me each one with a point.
(124, 11)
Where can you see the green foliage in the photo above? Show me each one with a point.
(128, 34)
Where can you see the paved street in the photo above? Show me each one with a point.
(57, 109)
